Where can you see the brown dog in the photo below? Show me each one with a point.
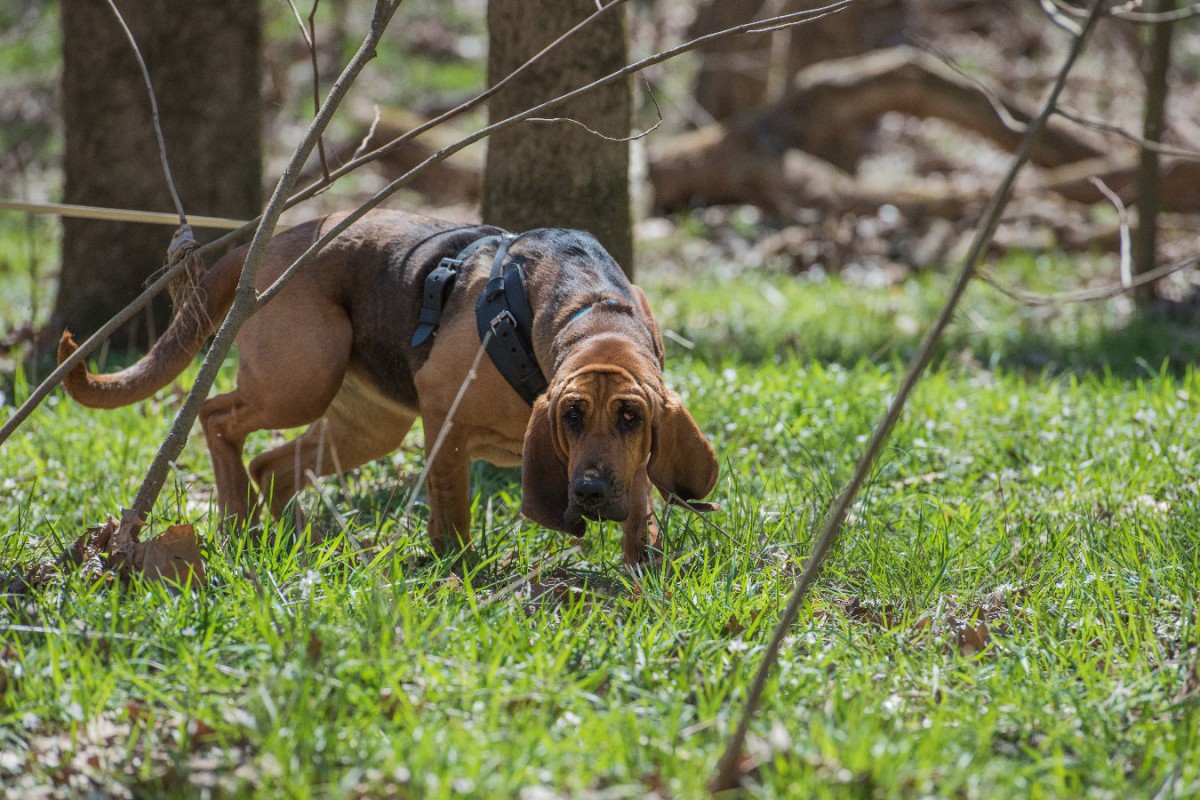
(333, 351)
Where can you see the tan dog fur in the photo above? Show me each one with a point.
(332, 351)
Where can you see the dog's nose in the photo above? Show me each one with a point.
(590, 489)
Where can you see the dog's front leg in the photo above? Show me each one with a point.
(640, 543)
(449, 492)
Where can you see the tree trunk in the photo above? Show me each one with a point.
(1145, 240)
(556, 173)
(203, 58)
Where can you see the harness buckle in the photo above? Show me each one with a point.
(504, 318)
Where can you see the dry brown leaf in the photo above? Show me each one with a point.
(201, 734)
(171, 556)
(972, 639)
(112, 550)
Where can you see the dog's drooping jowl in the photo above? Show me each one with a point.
(383, 326)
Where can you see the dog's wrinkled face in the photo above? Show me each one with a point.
(600, 438)
(602, 425)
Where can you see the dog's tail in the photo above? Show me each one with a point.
(194, 322)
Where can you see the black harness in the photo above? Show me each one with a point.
(502, 311)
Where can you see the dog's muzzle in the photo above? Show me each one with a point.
(596, 497)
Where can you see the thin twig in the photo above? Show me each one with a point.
(310, 39)
(727, 776)
(1157, 17)
(360, 551)
(513, 586)
(1060, 16)
(162, 143)
(1126, 262)
(432, 455)
(366, 140)
(117, 214)
(769, 26)
(631, 138)
(1083, 295)
(1182, 153)
(1002, 112)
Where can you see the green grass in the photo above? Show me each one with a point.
(1045, 486)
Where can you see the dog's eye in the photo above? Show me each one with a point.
(573, 418)
(628, 419)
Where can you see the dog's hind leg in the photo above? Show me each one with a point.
(341, 440)
(227, 420)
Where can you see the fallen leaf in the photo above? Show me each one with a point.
(171, 556)
(972, 639)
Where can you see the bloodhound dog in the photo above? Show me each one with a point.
(336, 350)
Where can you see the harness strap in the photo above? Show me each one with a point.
(438, 285)
(503, 309)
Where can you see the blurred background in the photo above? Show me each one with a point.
(859, 147)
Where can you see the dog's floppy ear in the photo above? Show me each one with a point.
(544, 473)
(682, 462)
(648, 318)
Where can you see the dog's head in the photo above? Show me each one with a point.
(595, 432)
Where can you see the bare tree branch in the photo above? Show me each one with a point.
(1182, 153)
(310, 39)
(1083, 295)
(727, 776)
(1159, 17)
(162, 144)
(631, 138)
(1126, 264)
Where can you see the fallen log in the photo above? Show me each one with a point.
(832, 95)
(826, 100)
(743, 161)
(1178, 181)
(705, 167)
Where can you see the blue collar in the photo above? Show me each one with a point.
(585, 309)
